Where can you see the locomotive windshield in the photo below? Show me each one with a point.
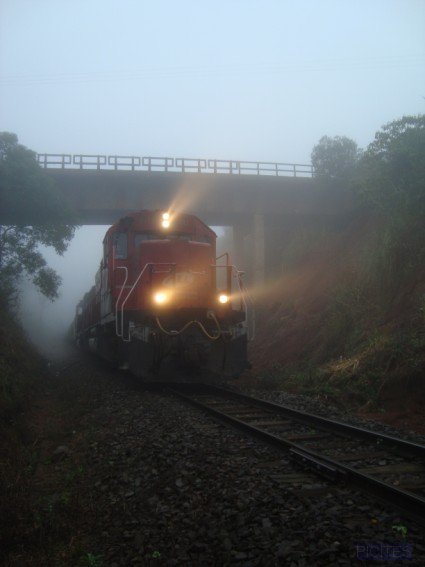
(120, 245)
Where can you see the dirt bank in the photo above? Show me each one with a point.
(345, 319)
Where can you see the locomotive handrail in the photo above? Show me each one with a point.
(222, 256)
(119, 297)
(131, 291)
(244, 295)
(174, 333)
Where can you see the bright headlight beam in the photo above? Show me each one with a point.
(165, 216)
(223, 298)
(165, 223)
(160, 297)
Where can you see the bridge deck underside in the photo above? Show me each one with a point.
(100, 197)
(254, 205)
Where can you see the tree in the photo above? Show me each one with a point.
(391, 180)
(392, 170)
(335, 157)
(32, 214)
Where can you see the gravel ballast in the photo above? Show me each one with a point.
(159, 483)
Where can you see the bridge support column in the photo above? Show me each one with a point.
(249, 249)
(259, 250)
(240, 257)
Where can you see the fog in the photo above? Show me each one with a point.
(234, 79)
(47, 322)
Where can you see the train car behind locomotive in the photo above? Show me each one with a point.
(163, 305)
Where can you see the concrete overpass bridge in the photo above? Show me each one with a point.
(260, 200)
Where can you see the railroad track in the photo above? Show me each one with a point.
(391, 469)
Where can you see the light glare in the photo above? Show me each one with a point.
(223, 298)
(160, 297)
(166, 216)
(165, 223)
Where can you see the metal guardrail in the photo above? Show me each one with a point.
(174, 165)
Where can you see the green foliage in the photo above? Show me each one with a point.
(73, 475)
(391, 180)
(19, 363)
(421, 307)
(32, 214)
(390, 176)
(391, 173)
(91, 560)
(400, 529)
(272, 378)
(335, 157)
(278, 377)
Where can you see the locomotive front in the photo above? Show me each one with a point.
(163, 304)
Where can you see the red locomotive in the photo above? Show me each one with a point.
(157, 306)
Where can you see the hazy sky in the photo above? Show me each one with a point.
(239, 79)
(231, 79)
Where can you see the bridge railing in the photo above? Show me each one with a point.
(260, 168)
(89, 161)
(158, 163)
(191, 164)
(124, 162)
(54, 160)
(174, 165)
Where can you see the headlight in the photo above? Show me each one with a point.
(223, 298)
(165, 223)
(160, 297)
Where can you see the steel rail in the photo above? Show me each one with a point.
(345, 429)
(407, 502)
